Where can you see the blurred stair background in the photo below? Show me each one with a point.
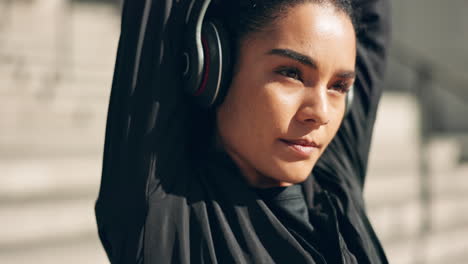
(393, 189)
(56, 65)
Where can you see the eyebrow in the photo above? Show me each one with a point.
(304, 59)
(308, 61)
(347, 74)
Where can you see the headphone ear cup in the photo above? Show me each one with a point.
(216, 64)
(226, 67)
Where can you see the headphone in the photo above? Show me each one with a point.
(207, 58)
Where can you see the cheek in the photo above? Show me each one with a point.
(254, 114)
(271, 109)
(281, 106)
(236, 116)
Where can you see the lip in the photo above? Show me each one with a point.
(302, 147)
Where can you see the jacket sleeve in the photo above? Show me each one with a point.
(345, 160)
(146, 118)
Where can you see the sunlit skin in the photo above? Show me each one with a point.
(288, 91)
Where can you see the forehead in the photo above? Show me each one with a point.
(317, 30)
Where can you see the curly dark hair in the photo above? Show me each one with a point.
(241, 17)
(245, 16)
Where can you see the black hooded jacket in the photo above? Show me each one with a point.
(159, 204)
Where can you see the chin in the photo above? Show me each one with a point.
(289, 173)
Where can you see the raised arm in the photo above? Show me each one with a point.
(145, 123)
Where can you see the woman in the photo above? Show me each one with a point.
(233, 183)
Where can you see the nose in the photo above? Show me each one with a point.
(315, 108)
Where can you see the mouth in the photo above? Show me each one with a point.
(301, 147)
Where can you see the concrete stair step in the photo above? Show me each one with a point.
(388, 158)
(61, 124)
(33, 64)
(448, 247)
(41, 43)
(395, 138)
(391, 188)
(438, 248)
(443, 153)
(42, 76)
(67, 89)
(48, 47)
(85, 249)
(394, 206)
(83, 21)
(449, 213)
(45, 144)
(396, 223)
(65, 117)
(80, 134)
(37, 176)
(25, 15)
(397, 120)
(401, 252)
(40, 82)
(47, 221)
(92, 91)
(451, 183)
(47, 207)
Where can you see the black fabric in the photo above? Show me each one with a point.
(160, 203)
(286, 202)
(318, 233)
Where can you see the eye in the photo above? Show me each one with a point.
(341, 86)
(290, 72)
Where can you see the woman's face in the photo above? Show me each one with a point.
(287, 99)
